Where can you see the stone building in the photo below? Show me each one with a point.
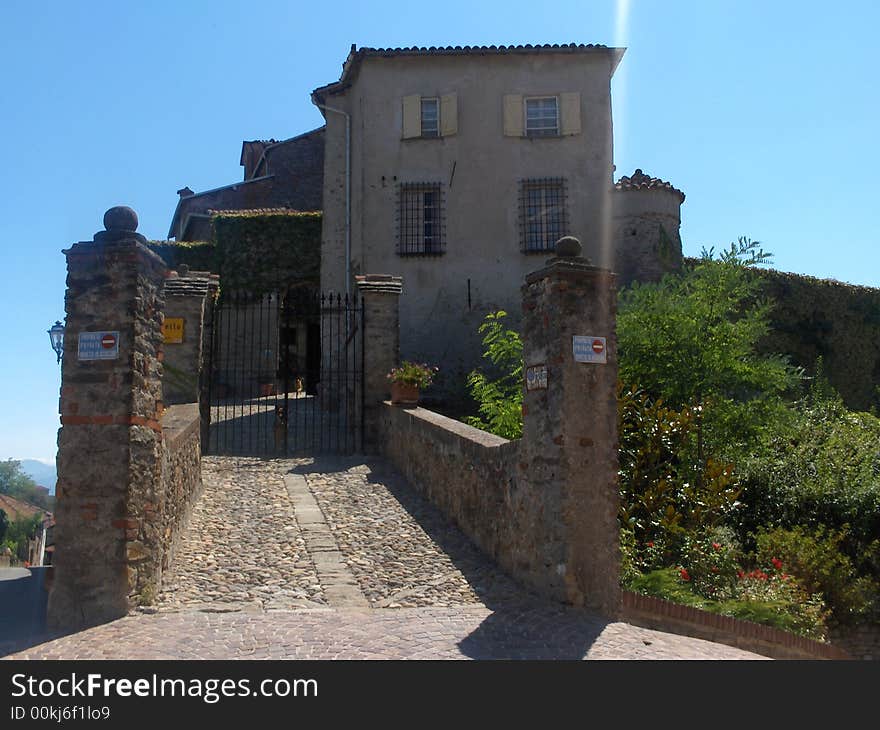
(287, 174)
(458, 169)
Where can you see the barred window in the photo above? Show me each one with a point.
(430, 116)
(421, 225)
(542, 116)
(543, 219)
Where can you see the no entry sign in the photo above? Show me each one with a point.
(589, 348)
(97, 346)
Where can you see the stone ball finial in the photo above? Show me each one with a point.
(568, 247)
(120, 218)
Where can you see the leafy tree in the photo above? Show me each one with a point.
(15, 483)
(499, 393)
(691, 339)
(20, 531)
(4, 525)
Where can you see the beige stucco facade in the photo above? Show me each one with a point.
(479, 164)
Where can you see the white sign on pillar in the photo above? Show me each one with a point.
(589, 348)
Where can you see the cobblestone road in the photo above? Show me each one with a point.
(303, 558)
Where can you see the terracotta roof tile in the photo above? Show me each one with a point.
(640, 181)
(356, 56)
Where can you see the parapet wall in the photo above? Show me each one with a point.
(468, 474)
(181, 477)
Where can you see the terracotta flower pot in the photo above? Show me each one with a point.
(404, 394)
(267, 389)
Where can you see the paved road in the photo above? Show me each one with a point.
(319, 559)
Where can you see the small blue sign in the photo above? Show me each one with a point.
(98, 346)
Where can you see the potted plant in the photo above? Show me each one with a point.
(408, 380)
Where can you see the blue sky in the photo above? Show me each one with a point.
(765, 113)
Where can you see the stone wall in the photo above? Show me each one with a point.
(645, 230)
(861, 641)
(162, 506)
(468, 474)
(185, 299)
(181, 478)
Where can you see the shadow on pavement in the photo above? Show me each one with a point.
(522, 625)
(24, 593)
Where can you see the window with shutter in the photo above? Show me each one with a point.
(427, 117)
(542, 116)
(430, 122)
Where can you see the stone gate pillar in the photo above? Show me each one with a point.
(109, 459)
(568, 452)
(381, 301)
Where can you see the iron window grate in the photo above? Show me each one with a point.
(421, 224)
(543, 214)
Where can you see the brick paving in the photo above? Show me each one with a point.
(323, 559)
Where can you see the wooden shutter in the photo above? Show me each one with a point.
(412, 116)
(513, 115)
(570, 113)
(448, 115)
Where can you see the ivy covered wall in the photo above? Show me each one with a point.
(253, 249)
(837, 321)
(198, 255)
(267, 249)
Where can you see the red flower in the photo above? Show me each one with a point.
(650, 543)
(684, 574)
(740, 574)
(716, 545)
(714, 569)
(777, 563)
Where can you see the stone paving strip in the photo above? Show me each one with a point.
(402, 550)
(243, 549)
(340, 587)
(521, 632)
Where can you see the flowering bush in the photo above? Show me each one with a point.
(817, 559)
(711, 562)
(411, 373)
(805, 612)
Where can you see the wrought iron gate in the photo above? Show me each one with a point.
(286, 373)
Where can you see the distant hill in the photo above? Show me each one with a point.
(42, 473)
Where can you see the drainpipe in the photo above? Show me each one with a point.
(347, 191)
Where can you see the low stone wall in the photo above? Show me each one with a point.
(181, 473)
(655, 613)
(466, 473)
(164, 511)
(861, 641)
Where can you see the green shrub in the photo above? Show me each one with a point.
(767, 600)
(664, 490)
(711, 558)
(499, 392)
(816, 560)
